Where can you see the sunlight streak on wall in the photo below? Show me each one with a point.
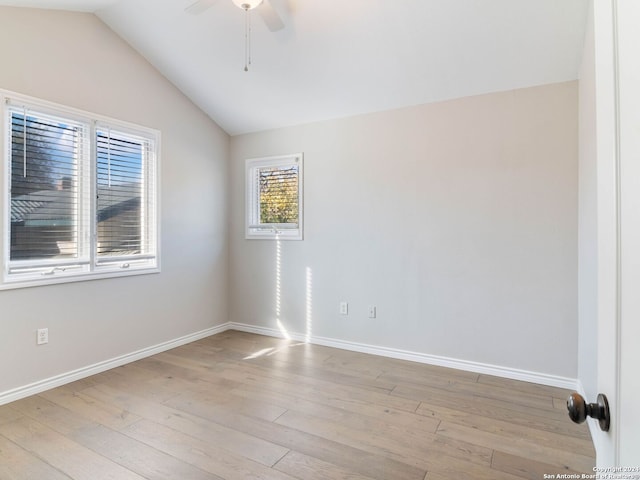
(309, 300)
(281, 327)
(283, 330)
(278, 279)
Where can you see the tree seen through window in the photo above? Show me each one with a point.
(279, 195)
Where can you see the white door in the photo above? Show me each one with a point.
(628, 401)
(617, 34)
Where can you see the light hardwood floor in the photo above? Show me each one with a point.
(243, 406)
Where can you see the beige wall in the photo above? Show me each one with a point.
(458, 220)
(75, 60)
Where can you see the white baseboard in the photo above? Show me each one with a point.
(68, 377)
(476, 367)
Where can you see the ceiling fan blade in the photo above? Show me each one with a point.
(270, 16)
(200, 6)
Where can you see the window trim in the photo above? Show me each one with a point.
(78, 270)
(273, 231)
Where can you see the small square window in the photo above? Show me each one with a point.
(274, 197)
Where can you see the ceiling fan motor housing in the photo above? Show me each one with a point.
(247, 4)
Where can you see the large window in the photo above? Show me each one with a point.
(81, 195)
(274, 197)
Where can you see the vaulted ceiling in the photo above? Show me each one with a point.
(337, 58)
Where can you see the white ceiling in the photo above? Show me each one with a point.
(337, 58)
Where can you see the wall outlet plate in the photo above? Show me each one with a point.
(43, 336)
(344, 308)
(372, 311)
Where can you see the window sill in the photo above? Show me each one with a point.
(15, 282)
(270, 235)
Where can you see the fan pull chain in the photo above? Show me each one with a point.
(247, 37)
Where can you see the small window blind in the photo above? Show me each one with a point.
(278, 195)
(47, 158)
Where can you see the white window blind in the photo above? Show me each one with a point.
(274, 197)
(278, 195)
(47, 221)
(82, 196)
(125, 206)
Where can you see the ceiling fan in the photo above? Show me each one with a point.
(263, 7)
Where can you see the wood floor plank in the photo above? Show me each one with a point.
(51, 415)
(8, 414)
(156, 366)
(374, 441)
(357, 361)
(137, 456)
(560, 403)
(309, 468)
(77, 421)
(279, 367)
(286, 360)
(334, 376)
(436, 476)
(443, 397)
(200, 453)
(65, 455)
(159, 384)
(538, 400)
(194, 359)
(87, 407)
(314, 387)
(472, 463)
(465, 471)
(242, 406)
(137, 380)
(550, 420)
(534, 451)
(339, 453)
(159, 389)
(394, 436)
(521, 386)
(341, 409)
(16, 463)
(508, 429)
(240, 345)
(81, 384)
(527, 468)
(228, 439)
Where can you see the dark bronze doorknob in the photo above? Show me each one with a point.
(579, 410)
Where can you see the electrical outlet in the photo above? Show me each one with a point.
(43, 336)
(344, 308)
(372, 311)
